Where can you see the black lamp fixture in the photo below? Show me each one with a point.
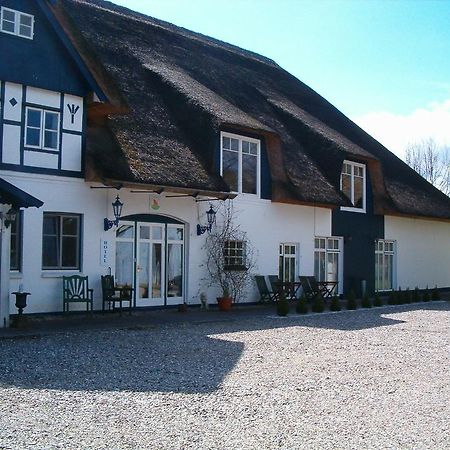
(211, 217)
(117, 210)
(9, 217)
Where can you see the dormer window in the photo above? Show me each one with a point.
(353, 185)
(17, 23)
(240, 163)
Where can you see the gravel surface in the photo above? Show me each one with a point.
(365, 380)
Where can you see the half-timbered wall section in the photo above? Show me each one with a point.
(41, 130)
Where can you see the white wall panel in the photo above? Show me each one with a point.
(13, 93)
(423, 251)
(73, 122)
(43, 97)
(40, 159)
(71, 152)
(11, 144)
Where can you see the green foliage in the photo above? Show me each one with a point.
(335, 304)
(426, 295)
(392, 299)
(400, 297)
(407, 296)
(377, 300)
(435, 295)
(416, 295)
(318, 305)
(282, 306)
(301, 306)
(351, 300)
(366, 302)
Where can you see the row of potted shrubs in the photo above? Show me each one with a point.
(399, 297)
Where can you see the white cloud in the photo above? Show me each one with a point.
(396, 131)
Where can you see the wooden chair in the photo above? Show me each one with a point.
(309, 290)
(113, 295)
(264, 292)
(326, 288)
(274, 284)
(76, 290)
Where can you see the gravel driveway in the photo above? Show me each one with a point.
(364, 379)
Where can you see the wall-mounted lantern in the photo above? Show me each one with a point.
(211, 218)
(9, 217)
(117, 211)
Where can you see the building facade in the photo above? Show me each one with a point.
(98, 101)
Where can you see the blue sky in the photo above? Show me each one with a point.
(377, 61)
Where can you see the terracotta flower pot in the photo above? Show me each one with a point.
(224, 303)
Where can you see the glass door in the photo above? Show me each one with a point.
(150, 264)
(175, 264)
(125, 254)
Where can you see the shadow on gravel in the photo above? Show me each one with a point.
(181, 357)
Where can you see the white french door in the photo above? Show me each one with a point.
(150, 267)
(150, 257)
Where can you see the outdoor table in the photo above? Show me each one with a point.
(289, 288)
(327, 288)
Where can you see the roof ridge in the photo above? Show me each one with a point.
(205, 39)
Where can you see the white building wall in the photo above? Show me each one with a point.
(267, 225)
(423, 251)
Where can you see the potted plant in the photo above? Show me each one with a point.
(225, 301)
(229, 258)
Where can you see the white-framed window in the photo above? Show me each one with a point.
(61, 241)
(17, 23)
(240, 163)
(353, 185)
(234, 254)
(327, 258)
(288, 262)
(385, 265)
(42, 129)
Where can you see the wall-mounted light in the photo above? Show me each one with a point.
(211, 218)
(9, 217)
(117, 211)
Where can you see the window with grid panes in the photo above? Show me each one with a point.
(61, 241)
(353, 183)
(16, 243)
(384, 265)
(42, 129)
(240, 165)
(326, 259)
(288, 262)
(17, 23)
(234, 254)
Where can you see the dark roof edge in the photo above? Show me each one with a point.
(158, 188)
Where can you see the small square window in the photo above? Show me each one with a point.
(17, 23)
(42, 129)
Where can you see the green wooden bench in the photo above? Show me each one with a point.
(76, 290)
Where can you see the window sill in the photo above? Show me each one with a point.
(236, 268)
(59, 273)
(356, 210)
(15, 275)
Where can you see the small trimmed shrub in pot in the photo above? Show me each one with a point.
(416, 295)
(282, 306)
(407, 296)
(426, 295)
(351, 300)
(335, 304)
(392, 299)
(435, 294)
(301, 306)
(366, 302)
(318, 305)
(377, 300)
(399, 296)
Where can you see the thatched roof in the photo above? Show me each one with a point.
(181, 88)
